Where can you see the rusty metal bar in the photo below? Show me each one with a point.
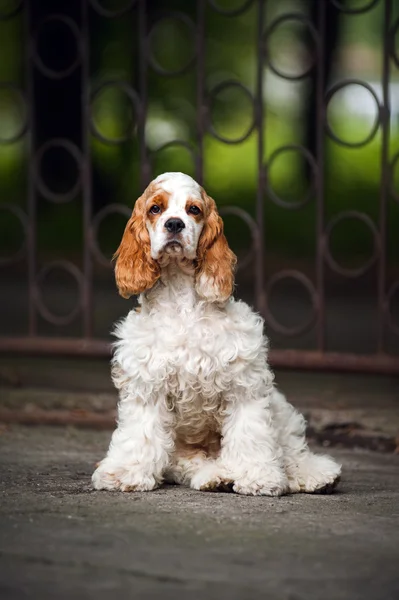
(201, 107)
(260, 295)
(44, 346)
(319, 175)
(40, 416)
(383, 364)
(145, 168)
(385, 174)
(31, 191)
(87, 291)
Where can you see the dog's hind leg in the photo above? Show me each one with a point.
(306, 471)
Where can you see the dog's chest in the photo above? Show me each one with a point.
(180, 352)
(195, 354)
(198, 352)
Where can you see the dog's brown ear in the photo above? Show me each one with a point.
(216, 262)
(135, 270)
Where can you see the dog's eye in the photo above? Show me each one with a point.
(194, 210)
(155, 209)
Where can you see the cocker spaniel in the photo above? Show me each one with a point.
(197, 401)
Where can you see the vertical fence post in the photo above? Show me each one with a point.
(145, 168)
(31, 193)
(320, 201)
(385, 173)
(201, 108)
(86, 175)
(260, 196)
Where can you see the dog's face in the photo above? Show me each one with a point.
(175, 216)
(175, 219)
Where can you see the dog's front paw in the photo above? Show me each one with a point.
(124, 478)
(210, 479)
(314, 474)
(265, 482)
(105, 478)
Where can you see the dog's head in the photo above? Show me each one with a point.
(175, 220)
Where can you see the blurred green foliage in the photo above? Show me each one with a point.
(352, 176)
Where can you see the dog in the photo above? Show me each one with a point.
(198, 405)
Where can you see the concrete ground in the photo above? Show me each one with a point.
(59, 539)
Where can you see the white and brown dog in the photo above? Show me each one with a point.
(197, 401)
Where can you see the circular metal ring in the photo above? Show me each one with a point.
(314, 35)
(133, 97)
(105, 12)
(308, 285)
(110, 209)
(73, 150)
(4, 15)
(51, 73)
(394, 289)
(351, 214)
(177, 16)
(22, 102)
(391, 41)
(377, 120)
(234, 12)
(253, 228)
(311, 162)
(213, 93)
(395, 161)
(45, 312)
(23, 219)
(354, 11)
(173, 143)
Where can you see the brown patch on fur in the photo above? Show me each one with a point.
(135, 270)
(161, 200)
(189, 451)
(191, 202)
(208, 446)
(215, 259)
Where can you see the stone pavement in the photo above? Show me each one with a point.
(59, 539)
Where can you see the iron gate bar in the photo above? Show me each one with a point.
(385, 116)
(320, 141)
(383, 364)
(87, 345)
(31, 195)
(201, 108)
(260, 293)
(87, 298)
(145, 169)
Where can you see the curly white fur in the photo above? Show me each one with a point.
(198, 404)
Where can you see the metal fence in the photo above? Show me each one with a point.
(87, 344)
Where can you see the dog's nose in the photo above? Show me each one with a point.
(174, 225)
